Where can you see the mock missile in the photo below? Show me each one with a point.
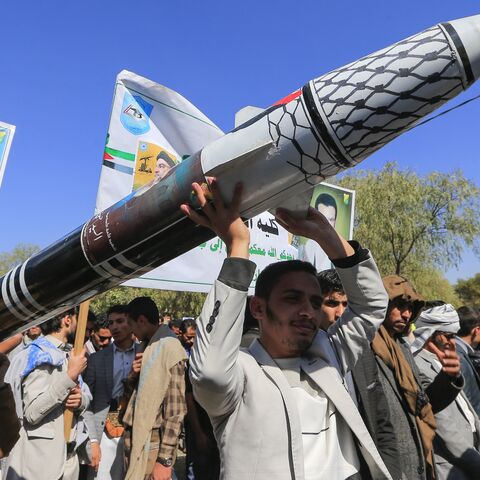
(330, 124)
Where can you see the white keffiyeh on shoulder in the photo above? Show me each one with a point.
(443, 318)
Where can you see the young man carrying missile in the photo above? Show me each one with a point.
(45, 380)
(281, 408)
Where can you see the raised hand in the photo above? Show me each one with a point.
(316, 227)
(224, 220)
(76, 365)
(448, 358)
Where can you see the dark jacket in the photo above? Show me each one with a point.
(470, 374)
(373, 407)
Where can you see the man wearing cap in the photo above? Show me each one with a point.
(457, 435)
(412, 409)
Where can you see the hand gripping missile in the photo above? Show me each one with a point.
(331, 124)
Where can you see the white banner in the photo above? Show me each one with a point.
(6, 136)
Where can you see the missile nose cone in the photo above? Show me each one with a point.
(465, 35)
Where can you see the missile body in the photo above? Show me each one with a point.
(331, 124)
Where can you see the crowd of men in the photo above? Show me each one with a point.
(335, 375)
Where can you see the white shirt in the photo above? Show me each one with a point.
(328, 445)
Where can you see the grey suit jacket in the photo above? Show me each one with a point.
(99, 377)
(40, 452)
(455, 445)
(248, 398)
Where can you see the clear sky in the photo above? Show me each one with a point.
(60, 59)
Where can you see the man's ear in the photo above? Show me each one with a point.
(258, 307)
(67, 320)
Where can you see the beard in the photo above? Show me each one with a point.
(71, 337)
(297, 345)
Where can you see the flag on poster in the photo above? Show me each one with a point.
(153, 128)
(6, 136)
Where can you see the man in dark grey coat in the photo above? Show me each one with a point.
(467, 340)
(417, 460)
(366, 389)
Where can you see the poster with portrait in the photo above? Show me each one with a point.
(6, 136)
(337, 204)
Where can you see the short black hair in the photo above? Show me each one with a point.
(469, 319)
(163, 156)
(186, 324)
(174, 323)
(327, 200)
(100, 322)
(330, 282)
(144, 306)
(54, 324)
(270, 275)
(118, 308)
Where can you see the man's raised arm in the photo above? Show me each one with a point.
(216, 376)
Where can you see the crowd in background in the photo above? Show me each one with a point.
(341, 375)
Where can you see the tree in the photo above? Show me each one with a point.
(469, 291)
(412, 223)
(179, 304)
(19, 254)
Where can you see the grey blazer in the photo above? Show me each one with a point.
(40, 453)
(99, 377)
(248, 398)
(455, 445)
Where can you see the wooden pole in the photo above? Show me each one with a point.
(77, 349)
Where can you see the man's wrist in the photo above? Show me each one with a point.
(166, 462)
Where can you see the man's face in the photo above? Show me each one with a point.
(119, 327)
(289, 318)
(101, 338)
(34, 332)
(188, 337)
(329, 213)
(89, 330)
(476, 337)
(71, 322)
(443, 341)
(333, 306)
(161, 168)
(398, 316)
(138, 327)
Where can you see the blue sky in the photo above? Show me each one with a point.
(59, 62)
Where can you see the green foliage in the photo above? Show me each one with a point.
(432, 285)
(469, 291)
(179, 304)
(19, 254)
(415, 224)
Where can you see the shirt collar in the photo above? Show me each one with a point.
(57, 343)
(116, 349)
(464, 344)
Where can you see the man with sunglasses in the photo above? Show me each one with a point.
(457, 438)
(412, 408)
(99, 334)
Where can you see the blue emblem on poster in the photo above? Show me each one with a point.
(135, 114)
